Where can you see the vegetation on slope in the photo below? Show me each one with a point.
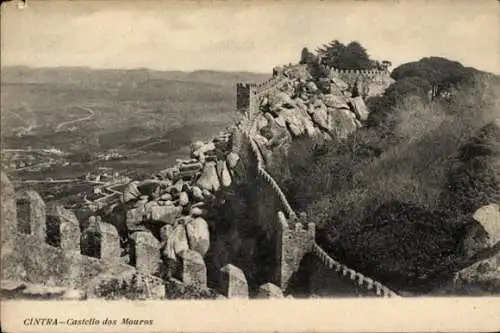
(405, 168)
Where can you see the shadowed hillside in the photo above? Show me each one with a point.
(393, 199)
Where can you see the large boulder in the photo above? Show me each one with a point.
(338, 82)
(280, 100)
(311, 87)
(131, 191)
(183, 198)
(232, 159)
(223, 173)
(233, 282)
(293, 121)
(174, 240)
(268, 291)
(360, 108)
(320, 116)
(300, 104)
(489, 218)
(307, 123)
(335, 101)
(197, 193)
(275, 133)
(164, 214)
(341, 122)
(209, 179)
(150, 188)
(179, 185)
(198, 235)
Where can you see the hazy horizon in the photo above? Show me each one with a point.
(137, 68)
(242, 36)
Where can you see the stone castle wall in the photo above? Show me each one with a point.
(293, 243)
(244, 92)
(44, 245)
(329, 277)
(248, 95)
(374, 82)
(292, 239)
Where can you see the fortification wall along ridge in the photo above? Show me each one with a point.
(29, 254)
(374, 81)
(293, 243)
(248, 94)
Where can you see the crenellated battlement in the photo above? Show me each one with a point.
(362, 72)
(294, 241)
(342, 271)
(373, 81)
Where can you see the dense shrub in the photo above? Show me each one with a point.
(116, 288)
(407, 246)
(179, 291)
(408, 87)
(436, 70)
(473, 184)
(421, 165)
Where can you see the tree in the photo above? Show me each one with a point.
(474, 179)
(436, 70)
(350, 56)
(355, 56)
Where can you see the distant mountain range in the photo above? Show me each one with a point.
(85, 76)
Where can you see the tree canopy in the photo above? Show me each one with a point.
(436, 70)
(350, 56)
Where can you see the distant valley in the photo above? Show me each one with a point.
(88, 114)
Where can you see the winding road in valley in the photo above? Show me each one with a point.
(69, 122)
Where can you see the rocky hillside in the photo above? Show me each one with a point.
(396, 197)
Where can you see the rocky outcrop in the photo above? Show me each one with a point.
(269, 291)
(303, 107)
(175, 201)
(198, 235)
(489, 218)
(481, 278)
(481, 231)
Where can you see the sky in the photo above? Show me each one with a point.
(243, 35)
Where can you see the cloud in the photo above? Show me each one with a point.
(251, 36)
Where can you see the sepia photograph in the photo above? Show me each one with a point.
(216, 151)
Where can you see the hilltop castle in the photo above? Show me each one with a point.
(162, 228)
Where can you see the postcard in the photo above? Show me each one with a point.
(260, 166)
